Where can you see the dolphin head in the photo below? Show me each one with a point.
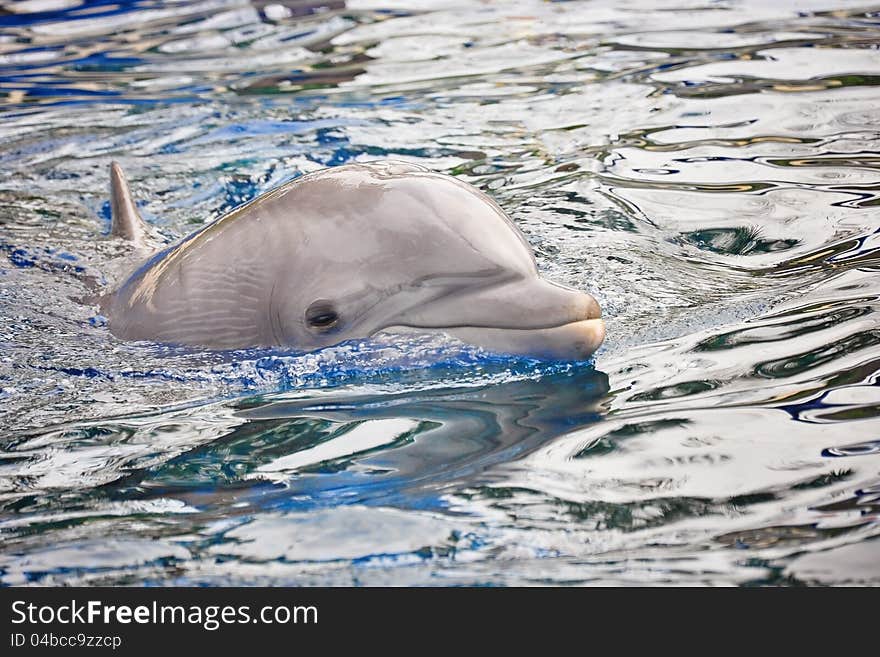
(392, 246)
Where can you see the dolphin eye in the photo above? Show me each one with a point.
(321, 315)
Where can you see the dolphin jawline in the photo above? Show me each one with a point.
(576, 340)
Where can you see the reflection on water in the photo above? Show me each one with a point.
(709, 172)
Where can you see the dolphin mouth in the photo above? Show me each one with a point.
(533, 318)
(577, 340)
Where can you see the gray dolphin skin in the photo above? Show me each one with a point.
(345, 253)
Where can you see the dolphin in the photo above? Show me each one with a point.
(345, 253)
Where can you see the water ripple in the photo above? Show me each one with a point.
(710, 172)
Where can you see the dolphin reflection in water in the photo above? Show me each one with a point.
(400, 448)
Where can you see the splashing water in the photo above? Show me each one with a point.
(708, 171)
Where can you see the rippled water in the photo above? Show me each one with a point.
(709, 170)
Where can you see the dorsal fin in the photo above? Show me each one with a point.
(126, 222)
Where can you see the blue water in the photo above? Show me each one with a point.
(709, 171)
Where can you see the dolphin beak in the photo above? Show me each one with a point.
(573, 341)
(532, 317)
(575, 338)
(583, 337)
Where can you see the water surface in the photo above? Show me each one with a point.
(708, 170)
